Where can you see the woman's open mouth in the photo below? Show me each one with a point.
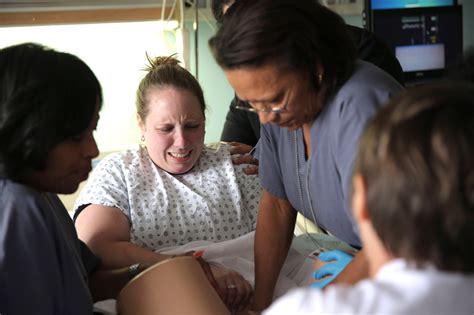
(180, 156)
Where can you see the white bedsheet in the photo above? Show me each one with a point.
(238, 254)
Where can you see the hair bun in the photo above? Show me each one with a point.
(162, 61)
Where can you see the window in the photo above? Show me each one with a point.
(116, 54)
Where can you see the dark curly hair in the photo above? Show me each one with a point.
(417, 158)
(45, 97)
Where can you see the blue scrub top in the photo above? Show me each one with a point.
(43, 265)
(320, 187)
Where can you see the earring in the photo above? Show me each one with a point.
(320, 78)
(142, 139)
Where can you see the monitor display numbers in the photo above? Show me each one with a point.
(425, 41)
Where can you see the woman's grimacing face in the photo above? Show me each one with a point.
(174, 129)
(68, 163)
(269, 85)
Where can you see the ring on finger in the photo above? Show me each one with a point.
(231, 286)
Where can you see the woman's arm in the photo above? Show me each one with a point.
(275, 226)
(106, 230)
(107, 284)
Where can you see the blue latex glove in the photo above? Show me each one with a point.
(337, 261)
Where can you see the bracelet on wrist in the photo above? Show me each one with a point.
(133, 271)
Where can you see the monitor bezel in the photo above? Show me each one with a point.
(425, 74)
(368, 11)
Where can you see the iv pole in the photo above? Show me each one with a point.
(196, 31)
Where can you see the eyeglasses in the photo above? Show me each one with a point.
(239, 104)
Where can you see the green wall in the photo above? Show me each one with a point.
(217, 91)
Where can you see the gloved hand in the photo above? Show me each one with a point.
(337, 261)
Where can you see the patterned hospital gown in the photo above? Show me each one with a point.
(215, 201)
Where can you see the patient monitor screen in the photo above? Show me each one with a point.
(422, 39)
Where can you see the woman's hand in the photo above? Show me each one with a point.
(237, 292)
(241, 154)
(232, 288)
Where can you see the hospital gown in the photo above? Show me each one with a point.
(215, 201)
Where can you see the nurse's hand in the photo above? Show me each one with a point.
(336, 260)
(237, 290)
(241, 155)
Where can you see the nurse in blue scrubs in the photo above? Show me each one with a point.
(293, 63)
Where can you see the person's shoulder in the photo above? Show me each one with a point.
(368, 89)
(122, 159)
(367, 83)
(134, 156)
(216, 149)
(216, 153)
(11, 191)
(370, 75)
(20, 201)
(132, 153)
(397, 288)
